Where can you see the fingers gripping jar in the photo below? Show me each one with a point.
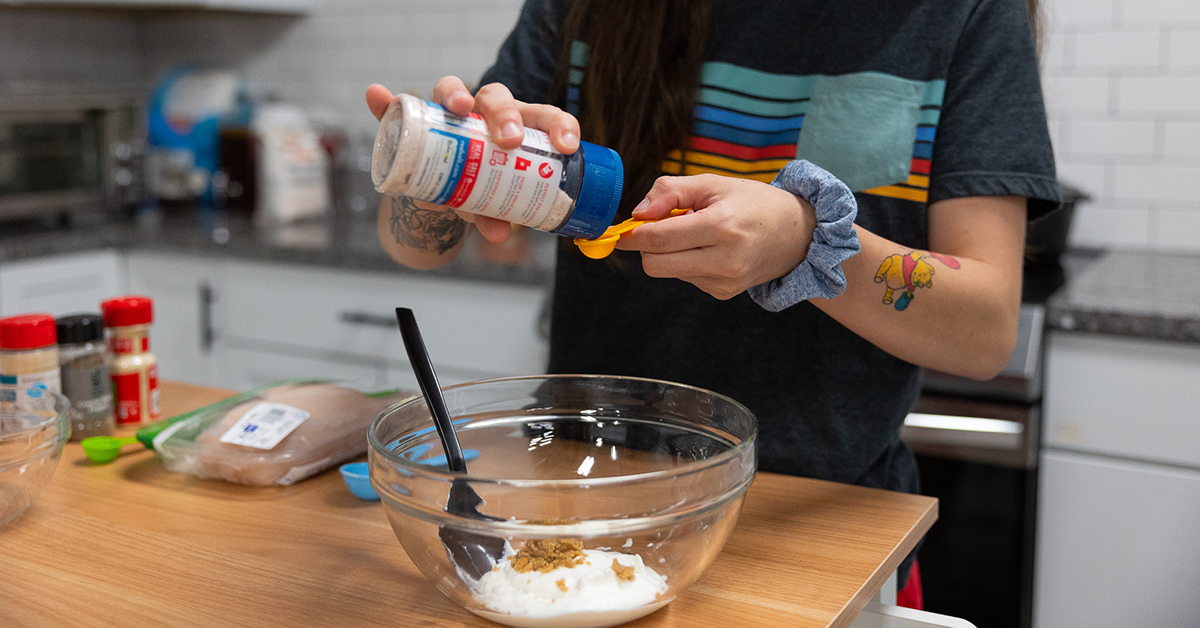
(134, 369)
(427, 153)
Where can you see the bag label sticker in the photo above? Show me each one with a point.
(264, 425)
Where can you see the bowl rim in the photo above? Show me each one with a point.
(377, 448)
(61, 416)
(62, 407)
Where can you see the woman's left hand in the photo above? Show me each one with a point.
(741, 234)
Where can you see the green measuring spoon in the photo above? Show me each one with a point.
(105, 449)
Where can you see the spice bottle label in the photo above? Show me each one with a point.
(152, 392)
(86, 383)
(31, 391)
(460, 168)
(127, 394)
(264, 425)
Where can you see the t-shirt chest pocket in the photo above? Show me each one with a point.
(862, 127)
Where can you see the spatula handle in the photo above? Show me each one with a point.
(419, 358)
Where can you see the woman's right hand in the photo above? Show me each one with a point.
(506, 118)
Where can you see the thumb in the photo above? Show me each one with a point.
(378, 99)
(671, 192)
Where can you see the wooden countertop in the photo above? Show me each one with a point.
(132, 544)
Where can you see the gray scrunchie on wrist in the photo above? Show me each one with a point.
(834, 240)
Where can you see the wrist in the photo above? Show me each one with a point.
(831, 241)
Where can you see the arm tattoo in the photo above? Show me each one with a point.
(425, 229)
(909, 271)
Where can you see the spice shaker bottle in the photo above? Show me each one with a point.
(83, 361)
(134, 369)
(28, 362)
(425, 152)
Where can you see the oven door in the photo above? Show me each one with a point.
(979, 458)
(985, 432)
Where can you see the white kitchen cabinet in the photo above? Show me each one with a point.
(61, 284)
(1118, 544)
(473, 330)
(184, 290)
(248, 369)
(240, 324)
(1123, 397)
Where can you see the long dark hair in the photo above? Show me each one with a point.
(638, 90)
(643, 69)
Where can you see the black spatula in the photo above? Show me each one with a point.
(475, 554)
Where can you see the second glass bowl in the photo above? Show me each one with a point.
(31, 444)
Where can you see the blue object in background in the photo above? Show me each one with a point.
(192, 140)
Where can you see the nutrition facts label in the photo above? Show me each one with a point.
(461, 168)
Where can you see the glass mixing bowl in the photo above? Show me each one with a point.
(31, 442)
(630, 470)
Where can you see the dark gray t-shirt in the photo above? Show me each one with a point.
(908, 101)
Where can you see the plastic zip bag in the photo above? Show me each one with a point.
(275, 435)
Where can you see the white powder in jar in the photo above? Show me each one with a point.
(559, 211)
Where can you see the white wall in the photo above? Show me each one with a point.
(1122, 85)
(328, 59)
(65, 52)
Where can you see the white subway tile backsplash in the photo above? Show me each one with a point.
(1117, 49)
(1088, 177)
(1157, 183)
(1175, 94)
(1096, 225)
(1066, 93)
(1181, 139)
(1183, 48)
(1054, 52)
(1158, 11)
(1110, 137)
(1065, 12)
(1177, 230)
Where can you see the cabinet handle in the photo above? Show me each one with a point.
(207, 334)
(366, 318)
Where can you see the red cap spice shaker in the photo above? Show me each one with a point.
(134, 368)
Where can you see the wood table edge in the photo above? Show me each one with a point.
(858, 602)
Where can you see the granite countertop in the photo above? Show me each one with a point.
(1122, 293)
(1129, 293)
(350, 243)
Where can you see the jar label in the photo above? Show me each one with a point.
(86, 383)
(127, 395)
(264, 425)
(152, 398)
(31, 391)
(462, 168)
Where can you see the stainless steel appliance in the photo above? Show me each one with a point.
(65, 155)
(977, 449)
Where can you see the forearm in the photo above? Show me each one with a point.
(419, 235)
(950, 312)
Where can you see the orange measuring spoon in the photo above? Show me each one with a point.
(601, 247)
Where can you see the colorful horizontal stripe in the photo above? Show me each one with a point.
(747, 122)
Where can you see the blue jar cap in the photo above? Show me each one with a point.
(603, 177)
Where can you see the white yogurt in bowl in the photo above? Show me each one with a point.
(580, 588)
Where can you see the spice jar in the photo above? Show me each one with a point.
(83, 362)
(425, 152)
(134, 369)
(28, 362)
